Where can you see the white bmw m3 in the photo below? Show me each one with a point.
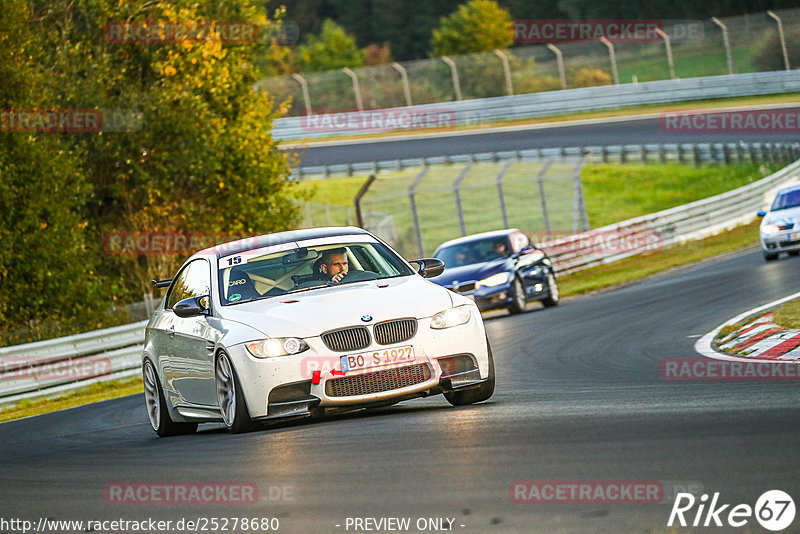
(306, 322)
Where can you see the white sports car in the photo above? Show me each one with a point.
(300, 323)
(779, 230)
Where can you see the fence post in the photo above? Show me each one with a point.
(664, 36)
(781, 37)
(507, 71)
(454, 72)
(457, 192)
(662, 154)
(580, 219)
(696, 150)
(304, 88)
(644, 153)
(613, 58)
(726, 42)
(560, 61)
(357, 200)
(412, 191)
(404, 77)
(543, 198)
(356, 88)
(499, 181)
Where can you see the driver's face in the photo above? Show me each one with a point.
(336, 264)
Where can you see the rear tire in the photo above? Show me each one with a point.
(552, 286)
(157, 407)
(769, 256)
(794, 253)
(231, 401)
(477, 394)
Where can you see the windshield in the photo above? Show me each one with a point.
(474, 252)
(789, 199)
(252, 277)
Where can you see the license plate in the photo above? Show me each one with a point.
(794, 237)
(376, 358)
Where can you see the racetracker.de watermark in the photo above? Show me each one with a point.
(601, 242)
(44, 369)
(785, 120)
(706, 369)
(599, 491)
(172, 32)
(529, 31)
(148, 243)
(378, 120)
(194, 493)
(70, 120)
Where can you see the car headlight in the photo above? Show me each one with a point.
(452, 317)
(770, 228)
(271, 348)
(494, 280)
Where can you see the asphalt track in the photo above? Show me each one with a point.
(579, 397)
(617, 132)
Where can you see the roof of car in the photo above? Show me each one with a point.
(478, 237)
(793, 187)
(279, 238)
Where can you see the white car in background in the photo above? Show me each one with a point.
(780, 227)
(254, 330)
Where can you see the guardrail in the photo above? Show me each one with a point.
(48, 368)
(544, 104)
(681, 152)
(54, 366)
(683, 223)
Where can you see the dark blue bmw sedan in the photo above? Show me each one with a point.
(500, 269)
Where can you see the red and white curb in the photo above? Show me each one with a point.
(760, 339)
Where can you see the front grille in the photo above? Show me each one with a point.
(395, 331)
(377, 381)
(789, 243)
(347, 339)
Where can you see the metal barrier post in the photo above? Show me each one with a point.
(664, 36)
(580, 219)
(454, 72)
(356, 88)
(457, 192)
(726, 42)
(404, 77)
(543, 199)
(560, 61)
(304, 87)
(357, 200)
(499, 181)
(507, 71)
(412, 190)
(613, 58)
(781, 37)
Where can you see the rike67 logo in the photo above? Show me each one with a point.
(774, 510)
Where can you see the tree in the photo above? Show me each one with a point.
(46, 275)
(477, 26)
(334, 48)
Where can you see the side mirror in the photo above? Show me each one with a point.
(761, 213)
(429, 267)
(192, 307)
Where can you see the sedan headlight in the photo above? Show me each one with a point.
(271, 348)
(452, 317)
(770, 228)
(494, 280)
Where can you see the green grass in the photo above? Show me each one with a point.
(650, 263)
(613, 193)
(96, 392)
(688, 64)
(788, 315)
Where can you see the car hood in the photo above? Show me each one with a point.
(782, 217)
(471, 273)
(309, 313)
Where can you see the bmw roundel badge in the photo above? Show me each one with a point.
(366, 318)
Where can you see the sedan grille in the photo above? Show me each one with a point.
(347, 339)
(395, 331)
(377, 381)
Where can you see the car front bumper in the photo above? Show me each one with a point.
(783, 241)
(293, 385)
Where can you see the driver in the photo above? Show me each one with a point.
(334, 264)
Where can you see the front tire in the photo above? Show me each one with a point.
(552, 286)
(157, 407)
(477, 394)
(231, 401)
(518, 298)
(769, 256)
